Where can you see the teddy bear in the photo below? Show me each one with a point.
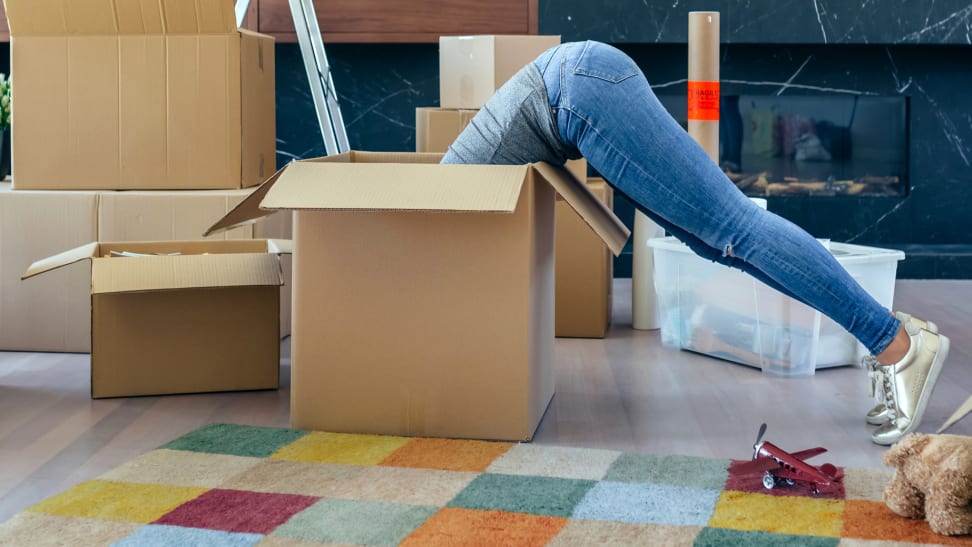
(932, 480)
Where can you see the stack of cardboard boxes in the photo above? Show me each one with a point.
(424, 293)
(471, 69)
(138, 123)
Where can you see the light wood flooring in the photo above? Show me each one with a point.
(626, 392)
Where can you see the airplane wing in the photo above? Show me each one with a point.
(809, 453)
(753, 466)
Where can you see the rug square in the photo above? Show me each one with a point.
(447, 454)
(344, 448)
(485, 528)
(118, 501)
(238, 511)
(648, 504)
(874, 520)
(719, 537)
(39, 530)
(854, 542)
(404, 485)
(272, 541)
(800, 516)
(237, 440)
(164, 536)
(165, 466)
(675, 470)
(555, 461)
(611, 534)
(288, 477)
(521, 494)
(866, 484)
(355, 522)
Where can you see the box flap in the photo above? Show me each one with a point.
(247, 211)
(152, 273)
(596, 214)
(109, 17)
(397, 187)
(280, 246)
(84, 252)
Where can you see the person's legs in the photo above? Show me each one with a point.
(605, 109)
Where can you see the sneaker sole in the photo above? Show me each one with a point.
(930, 382)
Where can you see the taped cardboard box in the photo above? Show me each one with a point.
(139, 95)
(423, 293)
(181, 316)
(585, 271)
(472, 68)
(53, 312)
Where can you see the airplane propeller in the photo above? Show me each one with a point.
(759, 439)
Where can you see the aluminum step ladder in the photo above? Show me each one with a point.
(318, 72)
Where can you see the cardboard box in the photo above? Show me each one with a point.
(472, 68)
(139, 95)
(181, 316)
(437, 128)
(184, 215)
(53, 312)
(423, 293)
(584, 272)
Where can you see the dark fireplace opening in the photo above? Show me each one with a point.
(827, 145)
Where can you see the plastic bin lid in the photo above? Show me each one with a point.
(845, 253)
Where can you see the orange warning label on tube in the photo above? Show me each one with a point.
(703, 101)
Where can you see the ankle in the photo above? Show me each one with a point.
(897, 349)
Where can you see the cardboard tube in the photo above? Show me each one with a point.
(703, 80)
(703, 126)
(644, 314)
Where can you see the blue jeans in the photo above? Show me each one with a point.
(606, 110)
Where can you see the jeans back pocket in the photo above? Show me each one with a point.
(605, 62)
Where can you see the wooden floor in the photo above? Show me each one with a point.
(626, 392)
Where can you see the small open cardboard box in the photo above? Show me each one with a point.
(181, 316)
(423, 293)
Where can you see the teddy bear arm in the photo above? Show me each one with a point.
(949, 503)
(902, 497)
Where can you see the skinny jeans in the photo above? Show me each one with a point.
(606, 110)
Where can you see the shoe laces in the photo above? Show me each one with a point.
(875, 375)
(889, 398)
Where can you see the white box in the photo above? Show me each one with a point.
(719, 311)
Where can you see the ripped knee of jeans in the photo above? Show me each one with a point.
(727, 252)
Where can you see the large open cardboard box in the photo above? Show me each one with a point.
(181, 316)
(423, 293)
(139, 95)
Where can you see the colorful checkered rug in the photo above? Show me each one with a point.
(240, 485)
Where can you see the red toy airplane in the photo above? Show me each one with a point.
(782, 467)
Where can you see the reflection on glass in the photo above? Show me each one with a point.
(811, 145)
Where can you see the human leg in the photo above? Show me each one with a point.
(606, 110)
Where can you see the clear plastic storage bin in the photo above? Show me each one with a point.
(709, 308)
